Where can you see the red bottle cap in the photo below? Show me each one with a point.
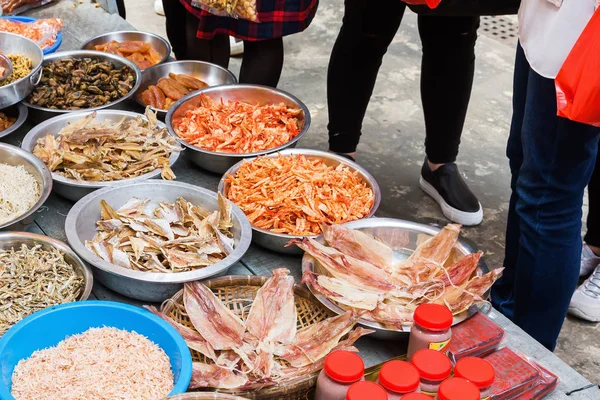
(344, 366)
(458, 389)
(416, 396)
(399, 377)
(432, 365)
(434, 317)
(366, 390)
(475, 370)
(432, 4)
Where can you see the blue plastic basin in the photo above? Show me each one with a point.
(50, 49)
(46, 328)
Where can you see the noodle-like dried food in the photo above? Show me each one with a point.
(88, 150)
(21, 67)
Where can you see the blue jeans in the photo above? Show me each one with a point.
(551, 162)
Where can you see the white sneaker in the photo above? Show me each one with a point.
(158, 7)
(236, 45)
(585, 303)
(589, 261)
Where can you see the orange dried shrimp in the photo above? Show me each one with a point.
(42, 31)
(295, 194)
(237, 127)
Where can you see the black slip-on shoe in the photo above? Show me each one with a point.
(451, 192)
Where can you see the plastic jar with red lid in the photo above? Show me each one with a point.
(366, 390)
(477, 371)
(457, 389)
(341, 370)
(431, 329)
(399, 378)
(434, 367)
(416, 396)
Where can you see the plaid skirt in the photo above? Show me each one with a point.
(277, 18)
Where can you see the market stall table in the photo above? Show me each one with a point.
(86, 21)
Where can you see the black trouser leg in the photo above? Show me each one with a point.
(366, 33)
(121, 8)
(262, 62)
(447, 73)
(592, 236)
(215, 50)
(176, 21)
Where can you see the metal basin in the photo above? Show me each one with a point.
(148, 286)
(18, 111)
(277, 241)
(17, 91)
(117, 61)
(212, 74)
(254, 94)
(162, 47)
(403, 237)
(73, 189)
(15, 156)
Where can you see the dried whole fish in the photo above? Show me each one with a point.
(360, 274)
(162, 237)
(88, 150)
(32, 279)
(80, 83)
(264, 348)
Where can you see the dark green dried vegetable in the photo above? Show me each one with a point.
(81, 83)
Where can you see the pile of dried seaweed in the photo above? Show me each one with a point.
(88, 150)
(166, 237)
(32, 279)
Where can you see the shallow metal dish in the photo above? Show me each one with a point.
(255, 94)
(15, 156)
(73, 189)
(212, 74)
(402, 236)
(162, 47)
(117, 61)
(277, 241)
(17, 91)
(14, 240)
(18, 111)
(80, 226)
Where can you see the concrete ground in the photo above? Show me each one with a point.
(393, 133)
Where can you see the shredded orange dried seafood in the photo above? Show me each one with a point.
(237, 127)
(43, 31)
(295, 194)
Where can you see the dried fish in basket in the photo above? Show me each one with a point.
(262, 352)
(356, 271)
(163, 237)
(93, 151)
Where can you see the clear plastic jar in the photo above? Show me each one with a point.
(457, 389)
(399, 378)
(477, 371)
(431, 329)
(434, 367)
(366, 390)
(341, 370)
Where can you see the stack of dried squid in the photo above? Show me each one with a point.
(361, 275)
(264, 350)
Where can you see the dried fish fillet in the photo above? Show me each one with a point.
(161, 237)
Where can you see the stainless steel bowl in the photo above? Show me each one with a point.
(212, 74)
(73, 189)
(18, 90)
(402, 236)
(220, 162)
(117, 61)
(148, 286)
(18, 111)
(15, 156)
(162, 47)
(14, 240)
(277, 241)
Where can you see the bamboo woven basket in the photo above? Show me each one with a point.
(238, 292)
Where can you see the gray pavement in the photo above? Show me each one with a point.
(393, 134)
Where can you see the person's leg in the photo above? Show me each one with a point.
(357, 54)
(558, 161)
(262, 62)
(121, 8)
(176, 21)
(592, 237)
(215, 50)
(503, 290)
